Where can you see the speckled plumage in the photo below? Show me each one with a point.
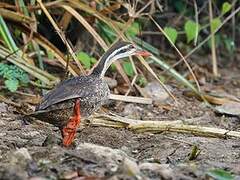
(57, 105)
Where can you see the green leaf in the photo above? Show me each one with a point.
(3, 69)
(128, 68)
(133, 30)
(192, 29)
(23, 78)
(85, 59)
(226, 7)
(106, 32)
(172, 33)
(93, 60)
(50, 55)
(12, 84)
(7, 37)
(215, 23)
(141, 81)
(220, 174)
(146, 45)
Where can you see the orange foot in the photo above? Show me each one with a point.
(69, 131)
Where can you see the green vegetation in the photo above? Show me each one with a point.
(220, 174)
(38, 31)
(13, 76)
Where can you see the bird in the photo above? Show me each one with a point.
(78, 97)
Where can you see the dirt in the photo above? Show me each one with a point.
(33, 150)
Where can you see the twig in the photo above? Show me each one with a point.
(160, 126)
(213, 47)
(196, 19)
(131, 99)
(7, 101)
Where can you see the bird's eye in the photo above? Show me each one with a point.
(131, 47)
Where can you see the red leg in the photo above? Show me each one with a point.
(69, 131)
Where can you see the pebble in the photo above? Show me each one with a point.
(158, 170)
(156, 92)
(3, 107)
(131, 168)
(112, 83)
(111, 158)
(133, 111)
(22, 153)
(229, 108)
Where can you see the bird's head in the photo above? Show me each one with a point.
(119, 50)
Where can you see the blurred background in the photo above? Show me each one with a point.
(188, 90)
(43, 42)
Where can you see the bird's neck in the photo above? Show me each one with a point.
(107, 59)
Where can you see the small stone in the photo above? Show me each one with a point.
(3, 107)
(157, 170)
(23, 153)
(229, 108)
(132, 111)
(3, 134)
(13, 173)
(69, 175)
(20, 158)
(131, 168)
(108, 160)
(156, 92)
(112, 83)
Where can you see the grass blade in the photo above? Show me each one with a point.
(7, 37)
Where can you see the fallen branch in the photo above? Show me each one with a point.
(180, 126)
(131, 99)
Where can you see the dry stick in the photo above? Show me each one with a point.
(160, 126)
(233, 22)
(61, 35)
(213, 47)
(196, 19)
(131, 99)
(189, 129)
(15, 15)
(185, 61)
(205, 40)
(8, 101)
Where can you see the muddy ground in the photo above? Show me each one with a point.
(33, 149)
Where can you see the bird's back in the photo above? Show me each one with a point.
(57, 105)
(82, 87)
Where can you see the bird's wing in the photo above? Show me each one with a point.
(77, 87)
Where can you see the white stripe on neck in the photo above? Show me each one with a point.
(110, 59)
